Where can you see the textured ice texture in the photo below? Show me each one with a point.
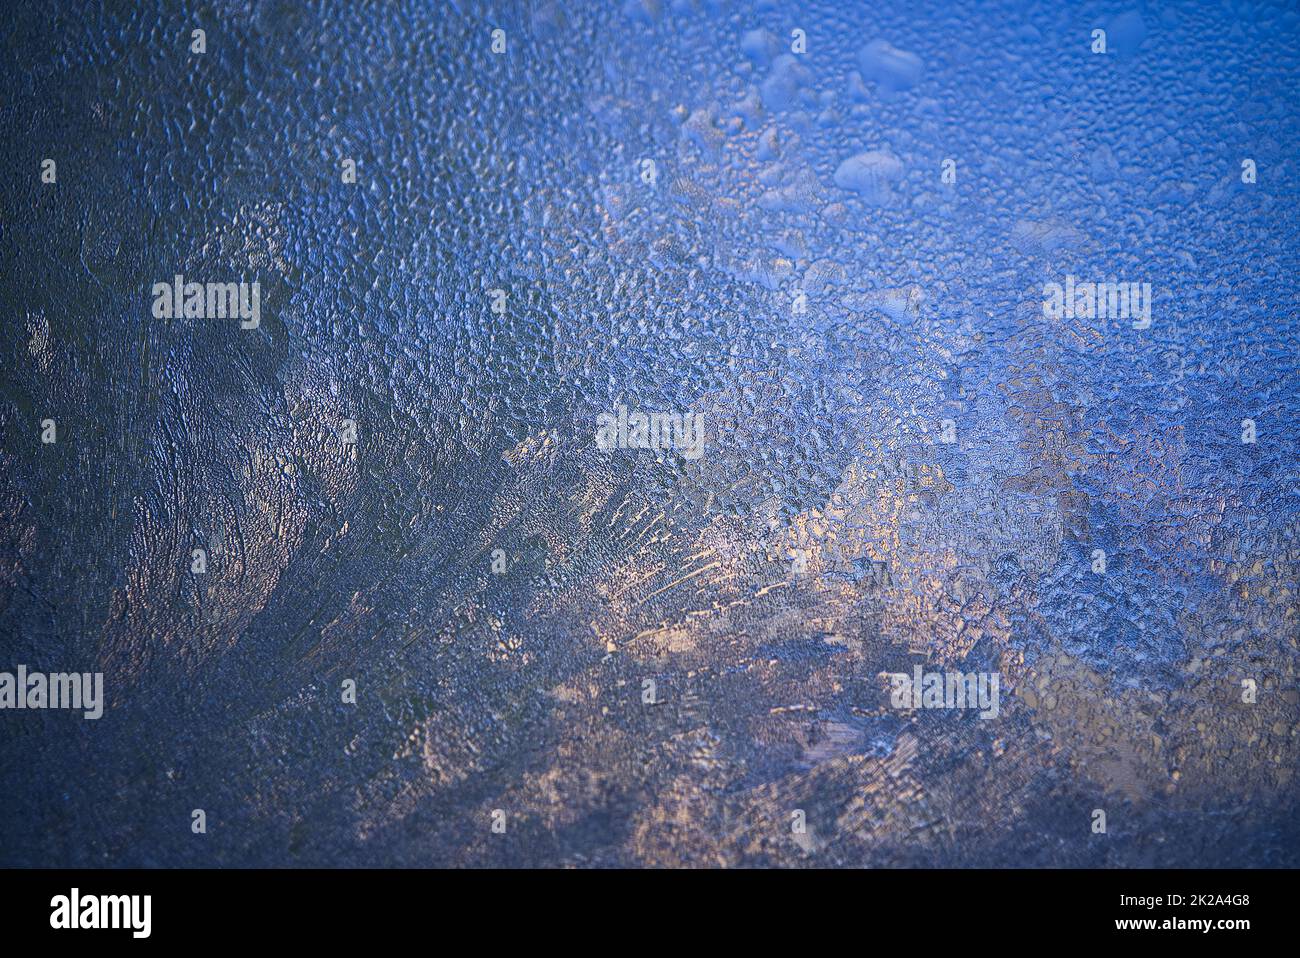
(869, 174)
(675, 290)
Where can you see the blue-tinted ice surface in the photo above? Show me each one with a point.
(942, 457)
